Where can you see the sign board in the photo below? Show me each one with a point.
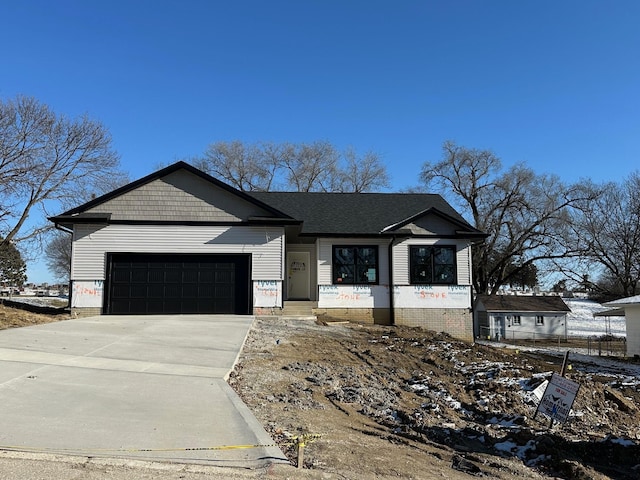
(558, 398)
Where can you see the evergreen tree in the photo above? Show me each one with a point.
(13, 269)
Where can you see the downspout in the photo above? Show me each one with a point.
(392, 317)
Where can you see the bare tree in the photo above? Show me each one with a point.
(526, 215)
(246, 167)
(302, 167)
(608, 228)
(362, 173)
(310, 167)
(58, 253)
(48, 161)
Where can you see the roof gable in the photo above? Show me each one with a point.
(434, 222)
(522, 303)
(179, 193)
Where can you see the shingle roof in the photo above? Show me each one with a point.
(357, 213)
(523, 303)
(338, 214)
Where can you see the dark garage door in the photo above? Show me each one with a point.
(177, 283)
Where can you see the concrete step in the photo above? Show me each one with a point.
(298, 308)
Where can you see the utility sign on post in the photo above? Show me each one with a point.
(558, 398)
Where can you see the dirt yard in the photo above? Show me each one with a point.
(406, 403)
(13, 317)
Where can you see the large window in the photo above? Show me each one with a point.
(432, 265)
(354, 265)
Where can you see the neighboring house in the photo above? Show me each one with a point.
(631, 307)
(509, 317)
(181, 241)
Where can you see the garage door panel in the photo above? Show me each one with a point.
(178, 283)
(189, 291)
(206, 276)
(172, 276)
(190, 276)
(139, 275)
(156, 275)
(138, 291)
(156, 292)
(172, 305)
(172, 291)
(121, 276)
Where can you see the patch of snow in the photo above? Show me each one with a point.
(625, 442)
(520, 451)
(581, 322)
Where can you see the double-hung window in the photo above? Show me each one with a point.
(432, 265)
(355, 265)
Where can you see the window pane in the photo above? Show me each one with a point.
(366, 256)
(421, 255)
(343, 273)
(421, 274)
(344, 255)
(444, 274)
(444, 256)
(366, 274)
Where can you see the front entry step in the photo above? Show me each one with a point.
(299, 308)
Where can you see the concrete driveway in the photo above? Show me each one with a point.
(144, 387)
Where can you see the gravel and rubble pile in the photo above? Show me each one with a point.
(419, 399)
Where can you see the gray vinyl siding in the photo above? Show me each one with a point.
(325, 257)
(180, 196)
(91, 244)
(401, 259)
(431, 225)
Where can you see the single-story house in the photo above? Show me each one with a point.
(181, 241)
(509, 317)
(631, 308)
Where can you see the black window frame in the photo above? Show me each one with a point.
(415, 267)
(340, 267)
(539, 320)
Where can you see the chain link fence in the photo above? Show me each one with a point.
(597, 345)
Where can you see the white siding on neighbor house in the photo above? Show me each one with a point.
(502, 325)
(632, 319)
(401, 259)
(325, 257)
(93, 242)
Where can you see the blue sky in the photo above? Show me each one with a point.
(554, 84)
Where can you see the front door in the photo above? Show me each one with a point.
(498, 328)
(298, 275)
